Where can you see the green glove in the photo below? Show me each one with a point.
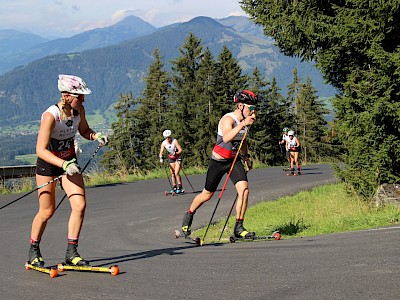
(102, 139)
(71, 167)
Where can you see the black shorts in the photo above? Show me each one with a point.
(217, 169)
(43, 168)
(171, 161)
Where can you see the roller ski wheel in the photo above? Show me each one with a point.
(51, 271)
(113, 270)
(274, 236)
(196, 240)
(166, 193)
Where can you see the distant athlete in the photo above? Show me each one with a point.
(283, 141)
(174, 159)
(293, 145)
(55, 149)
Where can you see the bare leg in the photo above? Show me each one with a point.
(172, 169)
(243, 197)
(47, 200)
(200, 199)
(74, 187)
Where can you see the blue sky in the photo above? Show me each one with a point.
(65, 18)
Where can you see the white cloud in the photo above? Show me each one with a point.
(66, 18)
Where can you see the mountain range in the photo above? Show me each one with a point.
(113, 61)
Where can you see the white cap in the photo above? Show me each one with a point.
(167, 133)
(72, 84)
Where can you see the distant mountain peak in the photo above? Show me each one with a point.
(201, 20)
(133, 22)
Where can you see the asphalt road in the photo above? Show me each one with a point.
(132, 225)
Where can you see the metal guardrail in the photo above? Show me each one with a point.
(8, 172)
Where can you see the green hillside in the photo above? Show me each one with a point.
(26, 91)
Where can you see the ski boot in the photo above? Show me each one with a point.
(179, 189)
(72, 258)
(35, 257)
(187, 223)
(173, 190)
(241, 232)
(291, 172)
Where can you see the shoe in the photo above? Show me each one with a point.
(73, 258)
(241, 232)
(179, 189)
(187, 223)
(35, 257)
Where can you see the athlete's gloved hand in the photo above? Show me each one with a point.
(161, 160)
(71, 167)
(101, 138)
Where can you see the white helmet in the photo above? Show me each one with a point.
(166, 133)
(291, 132)
(72, 84)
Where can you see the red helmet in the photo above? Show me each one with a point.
(245, 96)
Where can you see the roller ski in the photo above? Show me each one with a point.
(74, 262)
(36, 262)
(274, 236)
(178, 235)
(291, 173)
(51, 271)
(113, 270)
(175, 191)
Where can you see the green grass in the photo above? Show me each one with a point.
(325, 209)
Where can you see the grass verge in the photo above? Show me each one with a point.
(325, 209)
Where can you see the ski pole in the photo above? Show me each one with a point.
(84, 168)
(227, 218)
(39, 187)
(187, 179)
(223, 187)
(230, 212)
(169, 180)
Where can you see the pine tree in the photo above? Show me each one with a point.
(293, 98)
(206, 97)
(184, 95)
(124, 148)
(310, 122)
(228, 81)
(279, 117)
(260, 137)
(355, 44)
(151, 113)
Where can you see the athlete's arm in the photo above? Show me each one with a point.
(161, 150)
(46, 127)
(84, 128)
(178, 147)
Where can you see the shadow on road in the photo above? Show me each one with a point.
(148, 254)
